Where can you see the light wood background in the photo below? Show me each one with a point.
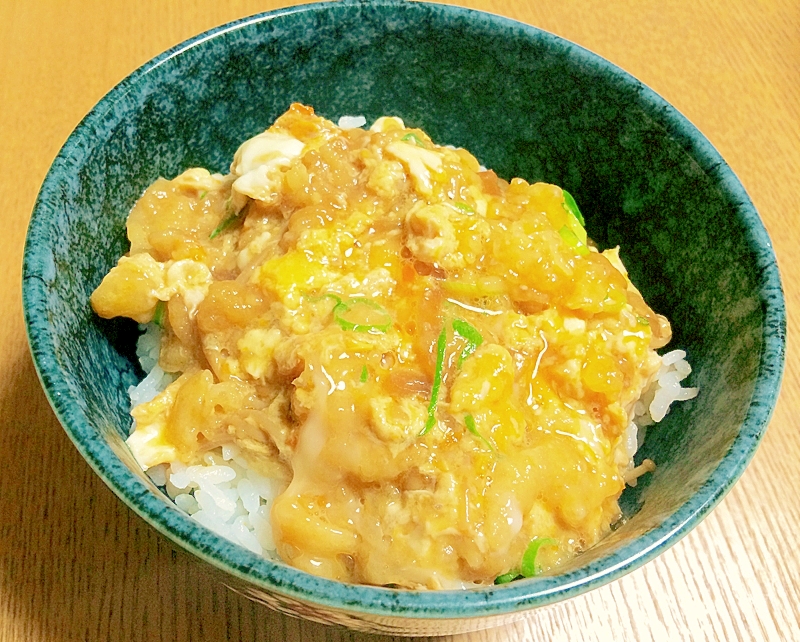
(76, 564)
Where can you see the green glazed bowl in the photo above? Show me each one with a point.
(527, 104)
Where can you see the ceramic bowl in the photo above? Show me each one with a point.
(526, 103)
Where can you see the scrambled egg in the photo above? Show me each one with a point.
(436, 362)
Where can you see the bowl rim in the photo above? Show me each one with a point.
(284, 580)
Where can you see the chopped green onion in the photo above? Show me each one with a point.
(505, 578)
(464, 207)
(642, 321)
(473, 337)
(228, 221)
(224, 225)
(441, 344)
(343, 308)
(573, 241)
(159, 316)
(572, 207)
(327, 295)
(575, 225)
(469, 421)
(203, 194)
(528, 566)
(467, 331)
(413, 137)
(364, 374)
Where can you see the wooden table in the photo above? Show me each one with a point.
(76, 564)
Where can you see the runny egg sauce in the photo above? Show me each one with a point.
(435, 364)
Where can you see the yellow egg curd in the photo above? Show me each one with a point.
(438, 365)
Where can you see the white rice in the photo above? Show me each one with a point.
(147, 349)
(653, 406)
(222, 493)
(226, 496)
(666, 388)
(351, 122)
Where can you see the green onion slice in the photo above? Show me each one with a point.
(464, 207)
(228, 221)
(327, 295)
(528, 566)
(364, 374)
(344, 307)
(572, 207)
(469, 421)
(160, 314)
(505, 578)
(573, 241)
(575, 225)
(468, 332)
(341, 309)
(414, 138)
(441, 344)
(642, 321)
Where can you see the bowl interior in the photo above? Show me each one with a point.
(526, 103)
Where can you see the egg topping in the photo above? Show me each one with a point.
(437, 363)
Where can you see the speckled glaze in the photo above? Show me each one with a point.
(527, 104)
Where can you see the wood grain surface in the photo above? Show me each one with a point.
(76, 564)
